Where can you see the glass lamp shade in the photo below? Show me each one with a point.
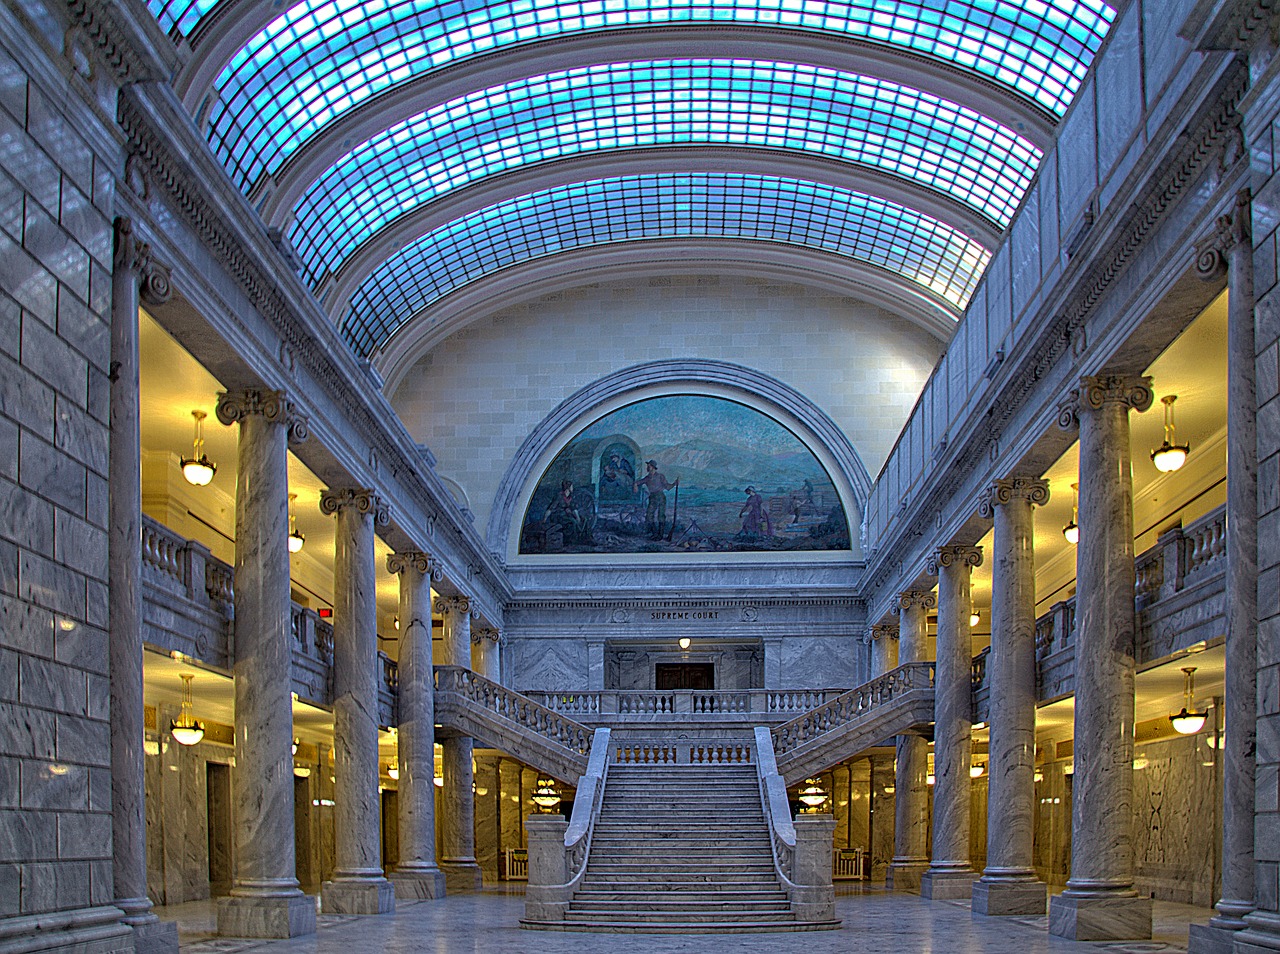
(1072, 532)
(1188, 723)
(198, 471)
(186, 733)
(685, 642)
(975, 771)
(545, 795)
(302, 771)
(393, 771)
(296, 541)
(813, 795)
(1169, 457)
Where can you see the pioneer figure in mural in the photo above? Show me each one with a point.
(755, 517)
(655, 511)
(617, 477)
(567, 523)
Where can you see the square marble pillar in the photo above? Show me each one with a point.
(358, 896)
(943, 885)
(999, 899)
(267, 917)
(1100, 919)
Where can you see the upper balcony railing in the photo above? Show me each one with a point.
(621, 706)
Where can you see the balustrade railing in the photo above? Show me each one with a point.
(679, 702)
(184, 562)
(682, 752)
(513, 707)
(777, 808)
(851, 705)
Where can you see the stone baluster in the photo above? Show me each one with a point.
(417, 874)
(1008, 884)
(1100, 902)
(265, 898)
(884, 648)
(911, 789)
(488, 652)
(358, 885)
(950, 875)
(458, 855)
(1234, 248)
(134, 275)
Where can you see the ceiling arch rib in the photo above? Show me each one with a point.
(865, 229)
(279, 190)
(851, 118)
(320, 59)
(404, 230)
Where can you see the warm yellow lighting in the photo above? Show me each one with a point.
(685, 642)
(301, 771)
(976, 770)
(1188, 721)
(1169, 456)
(812, 796)
(438, 782)
(296, 539)
(393, 771)
(185, 729)
(929, 779)
(293, 749)
(197, 468)
(975, 617)
(1072, 530)
(545, 795)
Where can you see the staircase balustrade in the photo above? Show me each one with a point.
(683, 752)
(620, 705)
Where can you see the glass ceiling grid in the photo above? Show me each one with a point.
(852, 118)
(630, 208)
(324, 57)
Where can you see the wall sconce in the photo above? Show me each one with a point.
(185, 729)
(1169, 456)
(296, 539)
(1188, 721)
(545, 795)
(685, 642)
(1072, 530)
(812, 796)
(198, 469)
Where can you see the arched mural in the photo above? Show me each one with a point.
(684, 473)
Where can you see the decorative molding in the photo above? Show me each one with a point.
(1230, 230)
(154, 285)
(1009, 489)
(953, 554)
(424, 563)
(360, 499)
(119, 42)
(275, 406)
(1098, 390)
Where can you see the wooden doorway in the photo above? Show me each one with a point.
(684, 676)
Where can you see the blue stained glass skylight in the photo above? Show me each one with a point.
(677, 102)
(632, 208)
(324, 57)
(180, 16)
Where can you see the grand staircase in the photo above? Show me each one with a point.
(681, 849)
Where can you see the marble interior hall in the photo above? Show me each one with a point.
(398, 398)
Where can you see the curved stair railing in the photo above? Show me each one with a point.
(479, 707)
(558, 853)
(801, 847)
(853, 721)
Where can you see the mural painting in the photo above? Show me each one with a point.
(684, 473)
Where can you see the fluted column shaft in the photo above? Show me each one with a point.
(457, 829)
(416, 874)
(1102, 788)
(911, 788)
(262, 784)
(949, 874)
(358, 885)
(1008, 884)
(124, 578)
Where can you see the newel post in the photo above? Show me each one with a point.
(814, 896)
(547, 896)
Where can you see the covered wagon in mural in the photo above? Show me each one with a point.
(683, 473)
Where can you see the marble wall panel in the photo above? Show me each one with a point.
(548, 664)
(488, 831)
(826, 662)
(881, 814)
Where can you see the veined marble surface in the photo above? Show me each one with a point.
(875, 922)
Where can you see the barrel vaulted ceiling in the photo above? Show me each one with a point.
(410, 149)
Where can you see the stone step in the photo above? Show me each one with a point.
(692, 905)
(693, 890)
(633, 878)
(687, 917)
(680, 927)
(716, 888)
(682, 846)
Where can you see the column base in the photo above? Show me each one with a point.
(1005, 898)
(80, 931)
(947, 884)
(1207, 939)
(1100, 919)
(462, 875)
(906, 876)
(1262, 936)
(155, 937)
(420, 883)
(249, 916)
(358, 896)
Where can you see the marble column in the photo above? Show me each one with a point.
(884, 648)
(1100, 902)
(911, 789)
(488, 643)
(265, 899)
(133, 274)
(457, 828)
(417, 875)
(1008, 884)
(358, 885)
(1234, 247)
(950, 875)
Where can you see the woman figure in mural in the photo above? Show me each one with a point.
(755, 517)
(655, 513)
(565, 520)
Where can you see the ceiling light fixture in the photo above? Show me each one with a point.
(198, 469)
(1072, 530)
(1188, 721)
(812, 796)
(296, 539)
(976, 770)
(975, 617)
(185, 729)
(545, 795)
(393, 771)
(1169, 456)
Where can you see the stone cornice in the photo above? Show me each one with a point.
(692, 603)
(126, 41)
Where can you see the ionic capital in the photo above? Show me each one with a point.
(452, 604)
(1098, 390)
(1230, 231)
(274, 406)
(954, 554)
(483, 633)
(130, 254)
(885, 631)
(415, 560)
(360, 499)
(923, 599)
(1032, 489)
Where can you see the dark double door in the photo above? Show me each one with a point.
(696, 676)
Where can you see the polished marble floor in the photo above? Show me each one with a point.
(875, 922)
